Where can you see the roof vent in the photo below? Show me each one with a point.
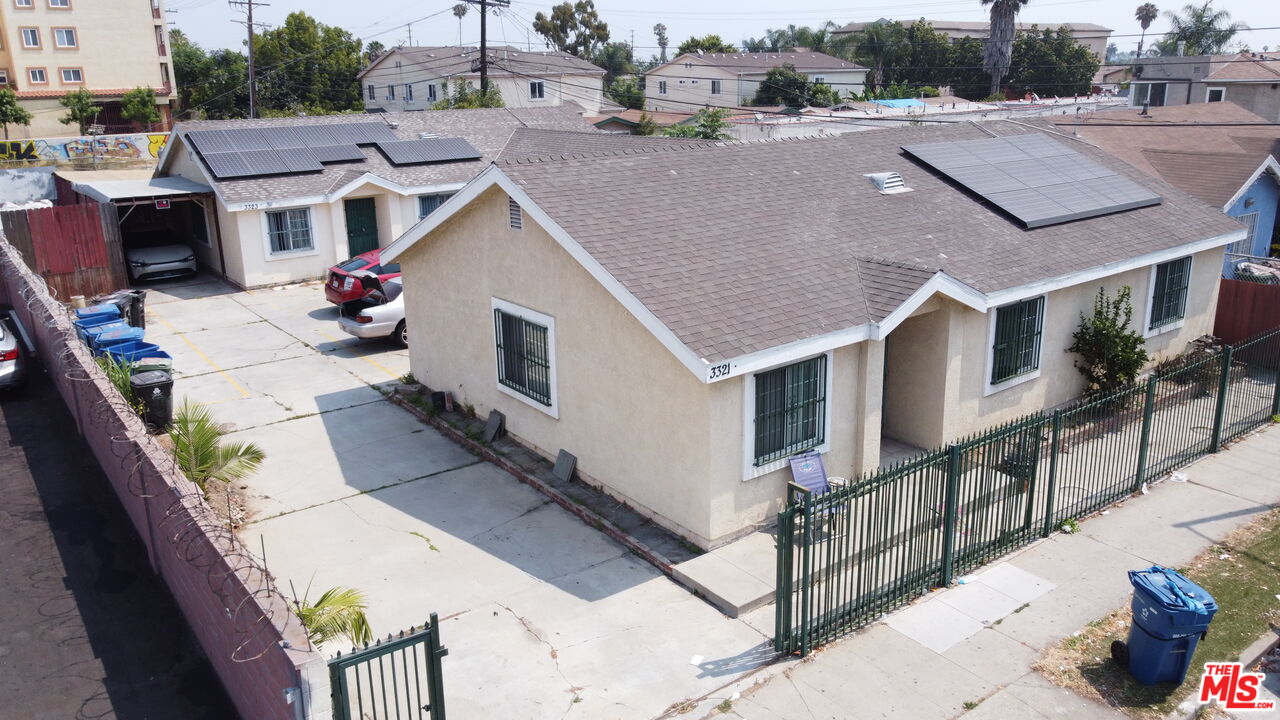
(427, 135)
(888, 183)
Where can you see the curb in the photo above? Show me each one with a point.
(1255, 652)
(653, 557)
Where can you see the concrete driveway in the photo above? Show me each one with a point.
(543, 615)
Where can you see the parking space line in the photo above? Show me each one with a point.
(374, 363)
(202, 356)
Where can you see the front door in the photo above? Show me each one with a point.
(362, 226)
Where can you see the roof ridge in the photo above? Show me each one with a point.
(672, 147)
(898, 264)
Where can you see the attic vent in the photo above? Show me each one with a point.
(427, 136)
(888, 183)
(515, 216)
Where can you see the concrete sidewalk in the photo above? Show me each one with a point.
(968, 650)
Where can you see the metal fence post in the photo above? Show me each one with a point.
(435, 678)
(783, 621)
(1054, 446)
(949, 515)
(1275, 397)
(1220, 414)
(806, 577)
(1144, 443)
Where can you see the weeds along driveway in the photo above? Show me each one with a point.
(543, 615)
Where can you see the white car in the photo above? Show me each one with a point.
(379, 314)
(153, 262)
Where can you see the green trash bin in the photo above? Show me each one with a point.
(147, 364)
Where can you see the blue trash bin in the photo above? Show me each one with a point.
(131, 352)
(116, 336)
(1170, 616)
(84, 326)
(104, 310)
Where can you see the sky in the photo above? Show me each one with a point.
(210, 22)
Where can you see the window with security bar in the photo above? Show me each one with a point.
(1016, 348)
(791, 409)
(1169, 297)
(427, 204)
(290, 230)
(524, 361)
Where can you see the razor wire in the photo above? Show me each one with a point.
(177, 512)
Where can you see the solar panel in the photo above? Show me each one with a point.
(337, 153)
(226, 165)
(411, 152)
(283, 149)
(1034, 178)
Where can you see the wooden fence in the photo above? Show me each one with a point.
(75, 248)
(1245, 309)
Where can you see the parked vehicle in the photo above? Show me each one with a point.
(378, 313)
(340, 286)
(13, 353)
(157, 256)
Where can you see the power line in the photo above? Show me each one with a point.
(249, 5)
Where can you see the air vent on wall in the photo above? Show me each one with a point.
(888, 183)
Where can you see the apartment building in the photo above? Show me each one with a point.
(51, 47)
(1094, 37)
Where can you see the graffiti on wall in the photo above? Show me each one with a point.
(54, 150)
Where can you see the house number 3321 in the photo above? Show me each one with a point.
(718, 371)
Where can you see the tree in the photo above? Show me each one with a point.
(708, 124)
(823, 95)
(999, 50)
(660, 31)
(11, 112)
(646, 126)
(139, 105)
(460, 11)
(468, 97)
(200, 452)
(1113, 53)
(616, 59)
(1204, 30)
(881, 45)
(573, 28)
(626, 93)
(783, 86)
(222, 93)
(373, 51)
(966, 76)
(1051, 62)
(1111, 353)
(338, 612)
(307, 66)
(1145, 15)
(81, 109)
(707, 44)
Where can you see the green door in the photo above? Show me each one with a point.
(362, 226)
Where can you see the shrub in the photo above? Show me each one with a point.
(1111, 353)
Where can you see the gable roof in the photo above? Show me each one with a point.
(746, 63)
(488, 130)
(505, 60)
(1247, 67)
(1206, 149)
(789, 245)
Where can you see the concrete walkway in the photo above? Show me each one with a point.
(968, 650)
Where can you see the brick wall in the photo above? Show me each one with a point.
(254, 642)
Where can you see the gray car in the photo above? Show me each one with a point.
(379, 314)
(13, 352)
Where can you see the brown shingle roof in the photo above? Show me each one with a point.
(745, 62)
(543, 143)
(1214, 177)
(506, 60)
(488, 130)
(741, 248)
(1246, 67)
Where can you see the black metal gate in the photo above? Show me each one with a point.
(394, 679)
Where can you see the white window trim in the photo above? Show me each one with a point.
(1211, 89)
(31, 78)
(542, 84)
(431, 92)
(22, 34)
(1147, 330)
(988, 387)
(268, 254)
(662, 87)
(549, 323)
(750, 470)
(716, 87)
(75, 37)
(63, 73)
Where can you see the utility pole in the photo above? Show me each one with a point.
(249, 5)
(484, 40)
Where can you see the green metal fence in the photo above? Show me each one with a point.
(399, 678)
(849, 555)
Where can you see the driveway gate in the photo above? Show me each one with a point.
(394, 679)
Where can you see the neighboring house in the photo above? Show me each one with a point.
(1219, 153)
(628, 121)
(1094, 37)
(291, 222)
(51, 47)
(1250, 80)
(1111, 78)
(778, 301)
(416, 78)
(695, 80)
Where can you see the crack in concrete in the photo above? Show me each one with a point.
(555, 657)
(508, 521)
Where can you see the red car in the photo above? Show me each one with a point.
(341, 287)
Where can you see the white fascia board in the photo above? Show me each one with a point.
(492, 176)
(343, 192)
(1270, 164)
(941, 283)
(1008, 295)
(376, 63)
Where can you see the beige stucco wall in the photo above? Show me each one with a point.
(689, 85)
(586, 90)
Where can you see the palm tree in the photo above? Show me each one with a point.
(1145, 15)
(200, 452)
(1204, 30)
(998, 52)
(878, 46)
(460, 11)
(339, 612)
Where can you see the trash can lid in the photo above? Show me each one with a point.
(119, 332)
(102, 309)
(149, 378)
(1173, 591)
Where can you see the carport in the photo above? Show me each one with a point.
(161, 210)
